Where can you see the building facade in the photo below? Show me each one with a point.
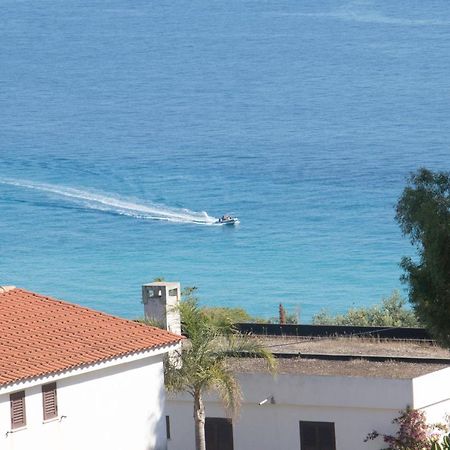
(72, 378)
(329, 394)
(304, 411)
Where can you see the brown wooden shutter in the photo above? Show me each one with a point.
(168, 427)
(317, 436)
(49, 401)
(218, 433)
(18, 418)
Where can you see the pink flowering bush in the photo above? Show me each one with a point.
(413, 433)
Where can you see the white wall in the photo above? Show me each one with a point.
(115, 408)
(356, 405)
(432, 394)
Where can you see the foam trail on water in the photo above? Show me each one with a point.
(109, 203)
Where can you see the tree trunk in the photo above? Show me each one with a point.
(199, 418)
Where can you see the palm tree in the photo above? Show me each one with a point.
(202, 363)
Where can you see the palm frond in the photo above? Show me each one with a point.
(202, 361)
(238, 345)
(225, 383)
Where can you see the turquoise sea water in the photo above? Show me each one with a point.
(126, 127)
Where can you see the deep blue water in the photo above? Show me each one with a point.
(302, 118)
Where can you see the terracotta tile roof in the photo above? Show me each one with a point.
(40, 335)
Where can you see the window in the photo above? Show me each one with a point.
(317, 436)
(18, 417)
(168, 427)
(49, 401)
(218, 433)
(173, 292)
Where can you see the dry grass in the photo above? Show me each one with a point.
(354, 346)
(356, 367)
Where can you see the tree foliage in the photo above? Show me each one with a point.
(391, 312)
(423, 213)
(202, 364)
(225, 317)
(220, 317)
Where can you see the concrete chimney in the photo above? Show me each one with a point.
(161, 299)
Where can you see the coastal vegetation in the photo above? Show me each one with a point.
(226, 316)
(423, 213)
(391, 312)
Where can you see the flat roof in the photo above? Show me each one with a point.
(351, 368)
(356, 346)
(348, 356)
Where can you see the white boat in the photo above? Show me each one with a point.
(227, 220)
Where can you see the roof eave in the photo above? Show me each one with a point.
(76, 370)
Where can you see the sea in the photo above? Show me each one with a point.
(128, 127)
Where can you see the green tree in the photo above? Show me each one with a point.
(391, 312)
(202, 364)
(224, 317)
(423, 213)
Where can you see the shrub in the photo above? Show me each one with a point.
(413, 433)
(391, 312)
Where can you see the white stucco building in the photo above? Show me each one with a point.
(328, 394)
(333, 411)
(72, 378)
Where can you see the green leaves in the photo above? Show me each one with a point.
(444, 445)
(446, 442)
(423, 213)
(203, 358)
(391, 312)
(202, 363)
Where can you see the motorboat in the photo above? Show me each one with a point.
(227, 220)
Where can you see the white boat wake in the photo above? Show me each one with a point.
(109, 203)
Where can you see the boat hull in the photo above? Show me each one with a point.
(233, 221)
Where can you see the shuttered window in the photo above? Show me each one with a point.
(218, 433)
(317, 436)
(49, 401)
(168, 427)
(18, 417)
